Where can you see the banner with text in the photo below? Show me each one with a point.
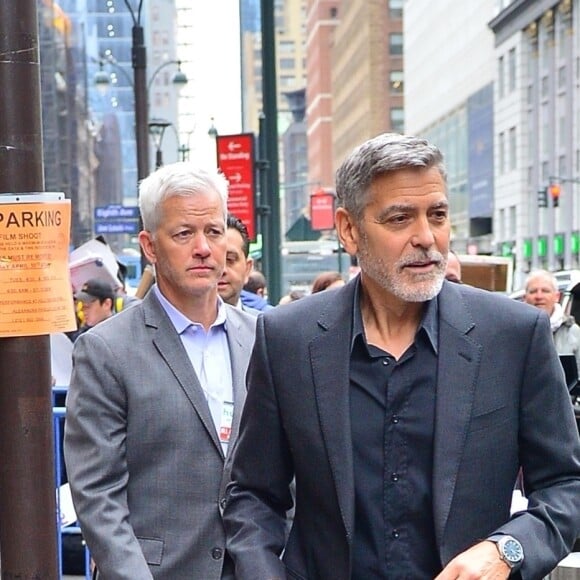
(35, 287)
(235, 158)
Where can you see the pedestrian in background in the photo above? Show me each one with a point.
(238, 264)
(97, 302)
(326, 280)
(453, 269)
(542, 292)
(255, 291)
(404, 406)
(156, 396)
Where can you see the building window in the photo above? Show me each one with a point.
(333, 12)
(286, 46)
(396, 82)
(562, 77)
(545, 87)
(395, 8)
(513, 148)
(512, 226)
(501, 160)
(512, 69)
(500, 77)
(562, 168)
(287, 63)
(397, 119)
(395, 44)
(287, 81)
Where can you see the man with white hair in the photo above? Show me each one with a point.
(542, 292)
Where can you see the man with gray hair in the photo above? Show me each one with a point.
(542, 292)
(404, 406)
(156, 395)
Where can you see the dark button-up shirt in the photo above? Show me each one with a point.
(392, 408)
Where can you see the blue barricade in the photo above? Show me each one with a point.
(67, 532)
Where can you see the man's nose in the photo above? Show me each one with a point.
(423, 234)
(201, 245)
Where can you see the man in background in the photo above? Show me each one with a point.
(542, 292)
(255, 292)
(97, 300)
(453, 270)
(238, 264)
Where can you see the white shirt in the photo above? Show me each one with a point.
(209, 355)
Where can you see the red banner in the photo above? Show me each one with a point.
(322, 210)
(235, 158)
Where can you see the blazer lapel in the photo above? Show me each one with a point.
(458, 367)
(169, 345)
(329, 356)
(240, 342)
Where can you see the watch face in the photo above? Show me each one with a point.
(512, 551)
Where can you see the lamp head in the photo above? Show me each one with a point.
(102, 80)
(179, 78)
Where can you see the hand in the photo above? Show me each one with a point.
(481, 561)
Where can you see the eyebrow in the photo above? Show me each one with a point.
(403, 207)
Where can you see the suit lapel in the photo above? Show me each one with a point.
(240, 342)
(329, 356)
(458, 367)
(169, 345)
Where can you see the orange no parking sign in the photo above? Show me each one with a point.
(35, 290)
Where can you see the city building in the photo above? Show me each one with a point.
(449, 100)
(321, 23)
(367, 74)
(537, 132)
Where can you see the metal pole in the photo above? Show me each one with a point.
(262, 207)
(28, 543)
(139, 63)
(271, 237)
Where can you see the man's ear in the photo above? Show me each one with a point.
(249, 268)
(346, 230)
(147, 245)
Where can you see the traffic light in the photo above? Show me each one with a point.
(543, 197)
(555, 194)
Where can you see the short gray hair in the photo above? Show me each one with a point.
(544, 275)
(379, 156)
(177, 179)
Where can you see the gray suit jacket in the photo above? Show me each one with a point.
(144, 461)
(501, 402)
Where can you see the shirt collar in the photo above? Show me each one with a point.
(180, 321)
(429, 323)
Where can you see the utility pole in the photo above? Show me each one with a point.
(271, 196)
(28, 546)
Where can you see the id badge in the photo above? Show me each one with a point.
(226, 421)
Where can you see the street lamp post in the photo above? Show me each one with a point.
(140, 91)
(157, 130)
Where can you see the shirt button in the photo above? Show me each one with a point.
(386, 362)
(394, 477)
(217, 553)
(395, 534)
(395, 419)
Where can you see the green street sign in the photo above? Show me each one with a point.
(558, 242)
(507, 249)
(575, 242)
(542, 246)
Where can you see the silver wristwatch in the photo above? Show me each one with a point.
(510, 551)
